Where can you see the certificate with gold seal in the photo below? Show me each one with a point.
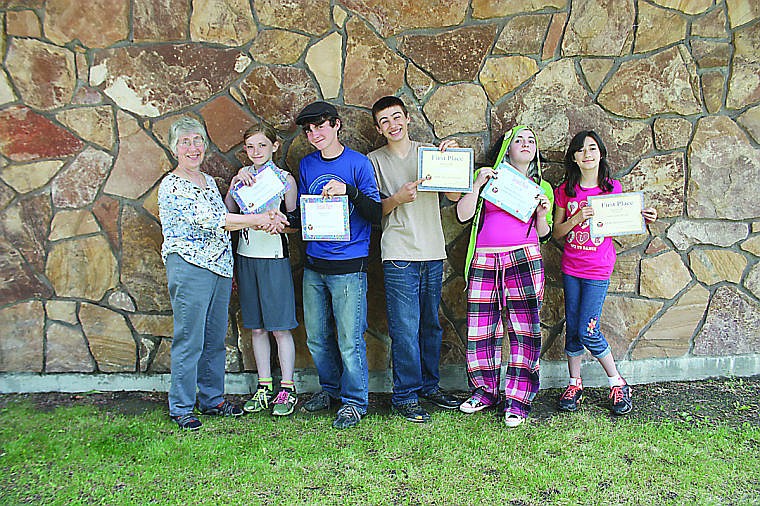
(617, 214)
(445, 171)
(510, 190)
(325, 218)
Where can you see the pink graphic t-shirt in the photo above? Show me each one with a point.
(584, 256)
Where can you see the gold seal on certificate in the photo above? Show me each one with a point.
(445, 171)
(513, 192)
(617, 214)
(324, 218)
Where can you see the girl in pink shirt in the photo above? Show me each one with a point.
(587, 264)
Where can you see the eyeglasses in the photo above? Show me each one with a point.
(195, 141)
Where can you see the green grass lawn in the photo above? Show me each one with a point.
(94, 455)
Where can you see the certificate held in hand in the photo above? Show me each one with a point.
(445, 171)
(617, 214)
(513, 192)
(325, 218)
(264, 193)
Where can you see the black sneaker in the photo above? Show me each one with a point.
(412, 412)
(621, 399)
(187, 422)
(224, 408)
(442, 400)
(571, 398)
(319, 401)
(348, 416)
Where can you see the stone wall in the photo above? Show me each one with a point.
(88, 90)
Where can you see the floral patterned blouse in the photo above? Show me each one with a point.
(192, 221)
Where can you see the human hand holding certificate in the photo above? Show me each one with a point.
(617, 214)
(445, 171)
(513, 192)
(324, 218)
(257, 197)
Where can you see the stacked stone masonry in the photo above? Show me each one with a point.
(89, 89)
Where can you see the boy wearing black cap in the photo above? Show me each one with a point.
(335, 273)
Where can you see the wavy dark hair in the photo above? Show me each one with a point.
(573, 172)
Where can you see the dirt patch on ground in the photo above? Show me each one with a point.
(732, 401)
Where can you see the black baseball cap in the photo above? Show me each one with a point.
(315, 111)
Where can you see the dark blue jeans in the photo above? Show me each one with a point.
(412, 296)
(584, 299)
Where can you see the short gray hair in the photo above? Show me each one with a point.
(183, 126)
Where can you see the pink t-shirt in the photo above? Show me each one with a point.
(584, 257)
(501, 229)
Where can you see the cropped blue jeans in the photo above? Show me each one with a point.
(584, 299)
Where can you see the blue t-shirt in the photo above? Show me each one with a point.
(350, 168)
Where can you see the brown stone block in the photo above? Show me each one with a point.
(106, 210)
(162, 359)
(225, 122)
(622, 321)
(278, 47)
(712, 24)
(554, 37)
(457, 108)
(662, 179)
(71, 223)
(227, 22)
(750, 120)
(710, 54)
(79, 183)
(625, 276)
(658, 28)
(453, 345)
(142, 272)
(390, 17)
(741, 11)
(26, 136)
(484, 9)
(595, 70)
(160, 21)
(731, 325)
(23, 24)
(671, 133)
(744, 86)
(501, 75)
(95, 124)
(523, 34)
(66, 21)
(26, 226)
(277, 94)
(317, 12)
(18, 281)
(44, 75)
(711, 266)
(599, 28)
(713, 86)
(378, 352)
(85, 268)
(325, 61)
(21, 340)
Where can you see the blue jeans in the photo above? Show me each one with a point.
(584, 299)
(412, 297)
(200, 302)
(337, 303)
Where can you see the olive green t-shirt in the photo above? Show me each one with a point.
(412, 231)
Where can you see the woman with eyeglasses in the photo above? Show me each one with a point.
(198, 256)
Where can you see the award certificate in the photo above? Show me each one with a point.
(513, 192)
(618, 214)
(324, 218)
(445, 171)
(261, 194)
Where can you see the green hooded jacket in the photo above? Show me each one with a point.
(508, 137)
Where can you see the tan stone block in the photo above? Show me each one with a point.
(741, 11)
(23, 24)
(277, 94)
(71, 223)
(625, 276)
(139, 164)
(750, 120)
(752, 245)
(454, 298)
(595, 70)
(523, 34)
(457, 108)
(21, 343)
(78, 184)
(44, 75)
(744, 85)
(671, 133)
(731, 325)
(685, 233)
(622, 321)
(390, 17)
(453, 345)
(712, 266)
(752, 281)
(710, 54)
(317, 12)
(121, 300)
(371, 70)
(106, 210)
(662, 179)
(110, 340)
(62, 310)
(712, 24)
(31, 176)
(6, 91)
(671, 334)
(599, 28)
(500, 75)
(656, 246)
(83, 268)
(278, 47)
(624, 243)
(418, 81)
(227, 22)
(67, 350)
(162, 360)
(2, 33)
(160, 21)
(142, 271)
(432, 53)
(378, 352)
(95, 124)
(686, 6)
(553, 307)
(325, 60)
(66, 21)
(339, 15)
(150, 202)
(721, 162)
(153, 324)
(658, 28)
(659, 84)
(485, 9)
(663, 276)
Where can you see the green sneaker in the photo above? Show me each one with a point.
(285, 402)
(260, 400)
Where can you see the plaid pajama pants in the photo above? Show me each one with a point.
(505, 290)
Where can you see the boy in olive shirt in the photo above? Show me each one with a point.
(413, 249)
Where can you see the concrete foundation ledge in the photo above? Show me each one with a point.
(453, 377)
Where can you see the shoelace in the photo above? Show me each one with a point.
(261, 397)
(352, 411)
(616, 394)
(282, 397)
(571, 391)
